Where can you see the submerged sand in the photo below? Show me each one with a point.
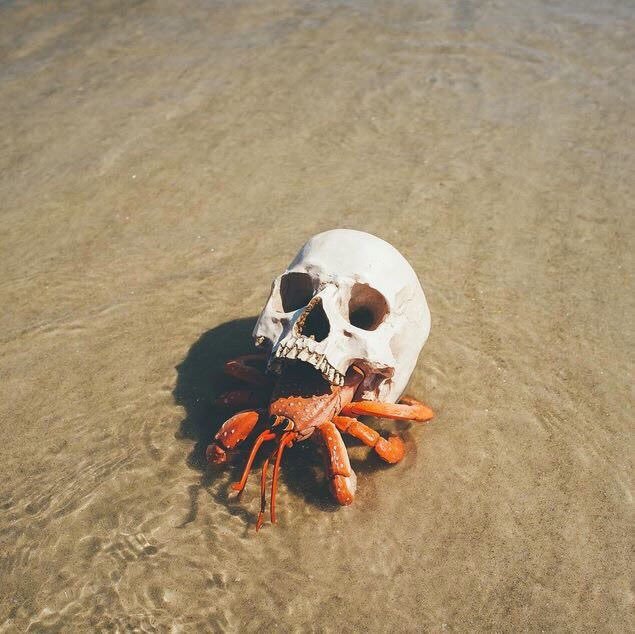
(161, 162)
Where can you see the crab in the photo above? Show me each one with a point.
(339, 338)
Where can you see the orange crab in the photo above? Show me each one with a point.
(303, 404)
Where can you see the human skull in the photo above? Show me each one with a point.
(348, 298)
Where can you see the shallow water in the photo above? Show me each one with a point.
(161, 162)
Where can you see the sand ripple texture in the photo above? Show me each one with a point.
(160, 162)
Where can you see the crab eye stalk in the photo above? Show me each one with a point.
(367, 307)
(296, 291)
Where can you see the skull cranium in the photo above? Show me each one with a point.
(348, 299)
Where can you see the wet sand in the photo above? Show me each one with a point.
(160, 163)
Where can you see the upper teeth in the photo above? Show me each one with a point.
(304, 349)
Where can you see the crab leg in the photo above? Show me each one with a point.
(390, 449)
(242, 399)
(285, 441)
(263, 490)
(342, 479)
(232, 432)
(408, 409)
(264, 436)
(241, 368)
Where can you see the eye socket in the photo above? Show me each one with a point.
(296, 291)
(367, 307)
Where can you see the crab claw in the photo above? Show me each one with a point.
(390, 449)
(215, 454)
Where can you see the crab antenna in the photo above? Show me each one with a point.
(263, 489)
(284, 441)
(264, 436)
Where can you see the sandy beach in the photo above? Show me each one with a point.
(161, 162)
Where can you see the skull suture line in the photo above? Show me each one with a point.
(339, 337)
(348, 298)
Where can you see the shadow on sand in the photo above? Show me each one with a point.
(200, 379)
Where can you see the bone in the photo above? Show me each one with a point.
(388, 287)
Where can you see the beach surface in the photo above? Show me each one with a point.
(161, 162)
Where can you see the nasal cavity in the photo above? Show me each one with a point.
(314, 321)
